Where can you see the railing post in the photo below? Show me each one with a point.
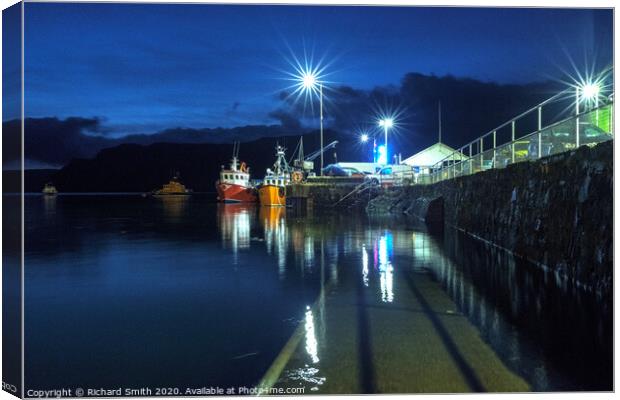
(611, 119)
(577, 132)
(539, 132)
(596, 114)
(453, 167)
(512, 137)
(494, 146)
(576, 117)
(471, 161)
(481, 154)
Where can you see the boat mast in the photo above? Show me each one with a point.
(235, 159)
(281, 166)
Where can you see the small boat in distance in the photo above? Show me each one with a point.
(49, 190)
(174, 187)
(272, 191)
(234, 185)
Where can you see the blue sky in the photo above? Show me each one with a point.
(142, 68)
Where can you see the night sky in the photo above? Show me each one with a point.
(144, 68)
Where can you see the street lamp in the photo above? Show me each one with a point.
(310, 83)
(386, 123)
(587, 92)
(364, 140)
(590, 91)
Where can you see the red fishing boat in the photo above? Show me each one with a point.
(234, 185)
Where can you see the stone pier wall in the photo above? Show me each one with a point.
(556, 212)
(332, 194)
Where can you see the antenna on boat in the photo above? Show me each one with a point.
(236, 146)
(235, 155)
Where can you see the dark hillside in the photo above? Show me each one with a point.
(137, 168)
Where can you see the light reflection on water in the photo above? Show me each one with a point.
(386, 269)
(174, 206)
(156, 269)
(275, 233)
(234, 222)
(364, 265)
(311, 343)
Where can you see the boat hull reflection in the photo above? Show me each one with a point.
(272, 196)
(235, 221)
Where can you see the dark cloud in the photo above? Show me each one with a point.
(287, 119)
(53, 142)
(470, 108)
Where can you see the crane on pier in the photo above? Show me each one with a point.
(317, 153)
(305, 164)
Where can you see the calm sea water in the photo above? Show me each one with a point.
(125, 291)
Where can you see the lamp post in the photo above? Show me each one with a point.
(321, 122)
(577, 117)
(386, 123)
(591, 92)
(311, 83)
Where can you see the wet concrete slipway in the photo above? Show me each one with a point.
(393, 330)
(417, 316)
(183, 293)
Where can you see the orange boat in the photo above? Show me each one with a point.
(173, 188)
(272, 192)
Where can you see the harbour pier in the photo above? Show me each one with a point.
(331, 192)
(545, 196)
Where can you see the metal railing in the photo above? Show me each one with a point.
(565, 128)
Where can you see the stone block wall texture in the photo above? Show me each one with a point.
(556, 212)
